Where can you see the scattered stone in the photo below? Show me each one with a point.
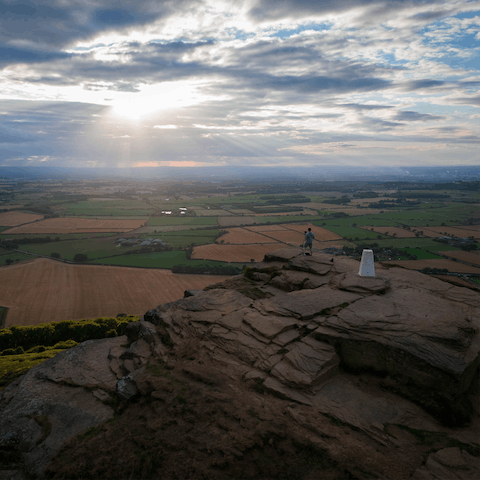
(191, 293)
(126, 387)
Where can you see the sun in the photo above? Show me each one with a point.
(150, 99)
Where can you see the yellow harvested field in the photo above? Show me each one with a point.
(321, 234)
(287, 236)
(233, 253)
(462, 232)
(470, 257)
(450, 265)
(77, 225)
(45, 290)
(265, 228)
(12, 219)
(235, 221)
(401, 232)
(241, 236)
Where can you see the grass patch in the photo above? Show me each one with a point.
(156, 260)
(13, 366)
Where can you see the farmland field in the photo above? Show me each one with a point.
(114, 207)
(236, 221)
(45, 291)
(265, 228)
(233, 253)
(154, 221)
(239, 236)
(76, 225)
(424, 243)
(401, 232)
(450, 265)
(12, 219)
(422, 254)
(450, 231)
(321, 234)
(353, 232)
(285, 236)
(470, 257)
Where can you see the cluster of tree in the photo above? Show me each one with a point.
(27, 240)
(434, 271)
(280, 200)
(337, 201)
(401, 202)
(49, 334)
(208, 269)
(365, 195)
(261, 209)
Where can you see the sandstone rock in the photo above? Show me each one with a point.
(142, 329)
(352, 282)
(51, 393)
(317, 265)
(307, 364)
(282, 254)
(191, 293)
(449, 464)
(269, 326)
(126, 387)
(86, 364)
(414, 335)
(305, 304)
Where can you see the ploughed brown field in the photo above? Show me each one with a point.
(12, 219)
(401, 232)
(321, 234)
(44, 290)
(77, 225)
(454, 231)
(233, 253)
(240, 236)
(471, 257)
(450, 265)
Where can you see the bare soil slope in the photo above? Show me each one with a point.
(46, 290)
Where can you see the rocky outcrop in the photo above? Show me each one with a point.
(302, 340)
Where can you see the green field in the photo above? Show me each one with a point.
(155, 260)
(354, 233)
(451, 214)
(154, 221)
(406, 243)
(185, 238)
(62, 236)
(115, 208)
(422, 254)
(94, 248)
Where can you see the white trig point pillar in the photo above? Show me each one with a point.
(367, 268)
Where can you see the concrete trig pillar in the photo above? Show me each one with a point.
(367, 268)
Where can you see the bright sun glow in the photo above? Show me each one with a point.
(135, 106)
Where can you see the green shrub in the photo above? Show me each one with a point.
(37, 349)
(8, 351)
(111, 333)
(64, 345)
(50, 334)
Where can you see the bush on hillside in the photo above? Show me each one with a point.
(50, 334)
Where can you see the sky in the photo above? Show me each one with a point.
(104, 83)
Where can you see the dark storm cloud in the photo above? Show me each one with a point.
(9, 55)
(409, 116)
(55, 24)
(276, 9)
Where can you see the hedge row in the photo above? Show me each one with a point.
(49, 334)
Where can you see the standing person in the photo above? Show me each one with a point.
(309, 236)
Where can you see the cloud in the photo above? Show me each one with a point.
(410, 116)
